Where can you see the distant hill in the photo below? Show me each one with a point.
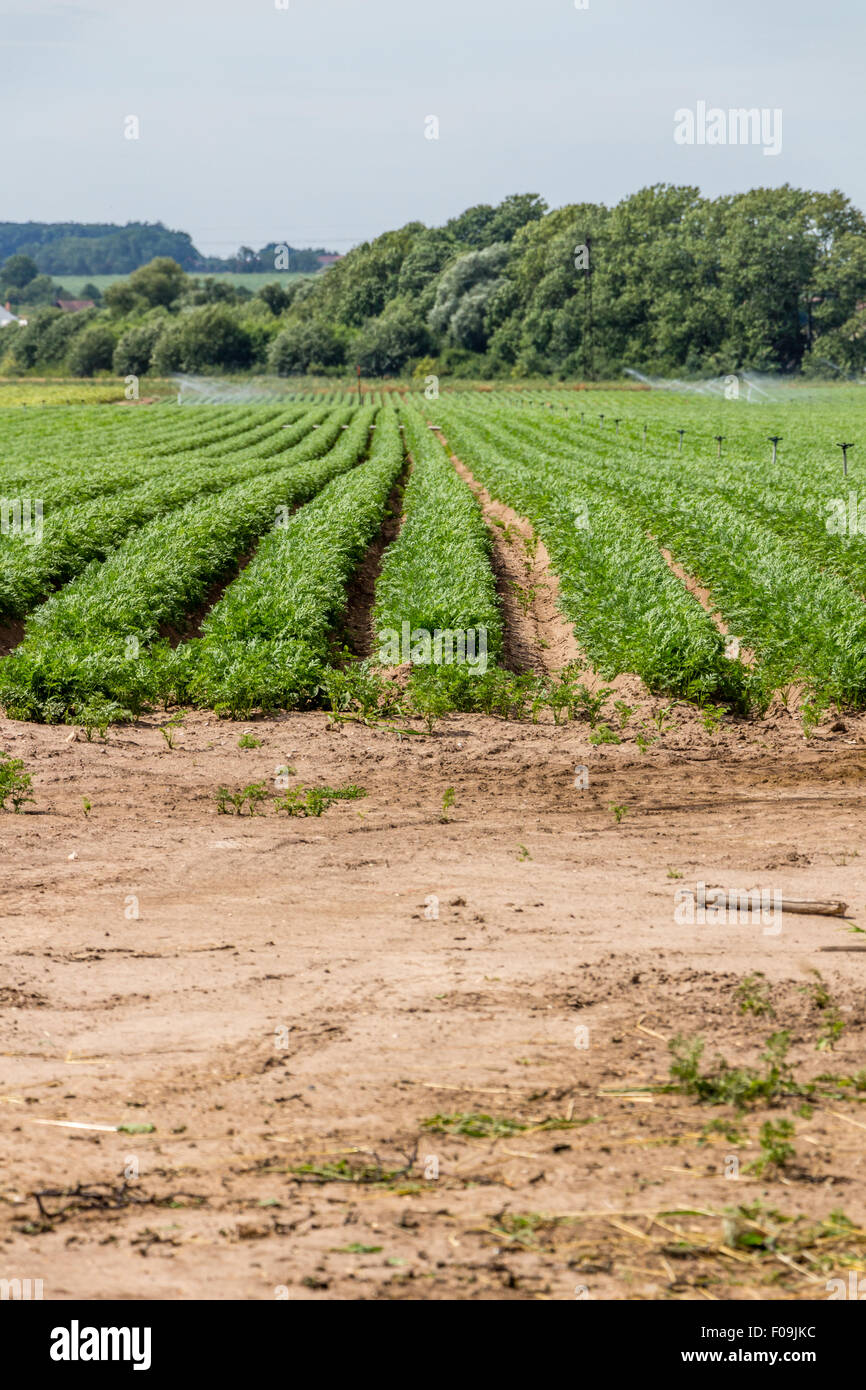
(94, 248)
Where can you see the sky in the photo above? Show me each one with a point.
(307, 121)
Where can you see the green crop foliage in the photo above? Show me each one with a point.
(436, 576)
(214, 556)
(268, 642)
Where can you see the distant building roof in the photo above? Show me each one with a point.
(6, 317)
(328, 260)
(74, 306)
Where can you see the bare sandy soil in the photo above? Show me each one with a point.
(298, 999)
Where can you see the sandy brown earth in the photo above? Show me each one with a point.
(298, 999)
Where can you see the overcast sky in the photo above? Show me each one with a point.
(307, 123)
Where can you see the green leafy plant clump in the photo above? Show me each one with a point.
(15, 783)
(314, 801)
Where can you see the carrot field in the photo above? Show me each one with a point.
(205, 556)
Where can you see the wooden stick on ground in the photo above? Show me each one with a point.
(815, 909)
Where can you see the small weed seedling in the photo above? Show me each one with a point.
(248, 741)
(624, 711)
(603, 733)
(170, 730)
(431, 704)
(255, 794)
(644, 743)
(726, 1128)
(447, 803)
(314, 801)
(523, 853)
(475, 1126)
(618, 811)
(588, 704)
(525, 597)
(832, 1022)
(97, 715)
(811, 711)
(88, 807)
(711, 718)
(776, 1152)
(752, 995)
(664, 719)
(737, 1086)
(15, 783)
(232, 803)
(674, 873)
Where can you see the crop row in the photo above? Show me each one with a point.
(436, 575)
(87, 642)
(61, 484)
(270, 638)
(778, 578)
(629, 612)
(75, 535)
(766, 554)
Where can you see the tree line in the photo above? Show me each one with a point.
(667, 282)
(93, 248)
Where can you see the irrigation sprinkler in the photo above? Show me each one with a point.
(775, 440)
(601, 422)
(644, 434)
(719, 438)
(845, 448)
(681, 433)
(581, 417)
(616, 422)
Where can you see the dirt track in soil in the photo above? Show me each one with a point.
(550, 916)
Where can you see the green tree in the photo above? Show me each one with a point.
(275, 297)
(133, 354)
(301, 345)
(91, 351)
(18, 271)
(387, 343)
(431, 252)
(210, 336)
(463, 293)
(40, 290)
(47, 337)
(159, 283)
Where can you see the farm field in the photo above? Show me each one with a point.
(365, 754)
(680, 552)
(18, 391)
